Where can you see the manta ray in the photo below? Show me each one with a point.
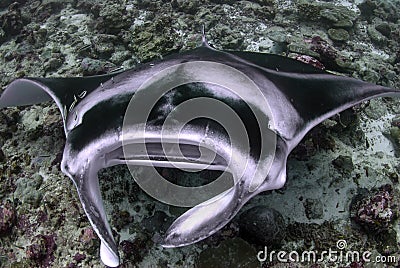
(146, 116)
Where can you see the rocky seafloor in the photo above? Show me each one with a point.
(343, 179)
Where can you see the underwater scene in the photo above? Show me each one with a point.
(325, 74)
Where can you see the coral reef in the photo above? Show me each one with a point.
(8, 217)
(339, 35)
(310, 60)
(28, 190)
(41, 250)
(377, 210)
(12, 22)
(343, 164)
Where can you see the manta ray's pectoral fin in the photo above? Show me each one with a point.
(87, 184)
(316, 97)
(314, 94)
(65, 92)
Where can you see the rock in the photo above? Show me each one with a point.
(313, 208)
(264, 2)
(376, 36)
(262, 225)
(104, 50)
(27, 190)
(344, 64)
(348, 119)
(387, 11)
(3, 37)
(11, 22)
(229, 39)
(79, 257)
(277, 36)
(229, 2)
(189, 7)
(396, 121)
(137, 248)
(344, 164)
(54, 63)
(328, 55)
(112, 18)
(305, 150)
(230, 253)
(345, 23)
(376, 210)
(2, 156)
(371, 76)
(339, 35)
(151, 40)
(374, 255)
(391, 76)
(103, 45)
(93, 67)
(119, 57)
(89, 240)
(254, 8)
(375, 109)
(394, 136)
(302, 49)
(387, 242)
(309, 11)
(8, 217)
(339, 17)
(311, 61)
(47, 8)
(33, 119)
(120, 219)
(159, 222)
(147, 4)
(268, 45)
(313, 235)
(41, 250)
(367, 8)
(384, 28)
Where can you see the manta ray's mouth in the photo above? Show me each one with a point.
(168, 155)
